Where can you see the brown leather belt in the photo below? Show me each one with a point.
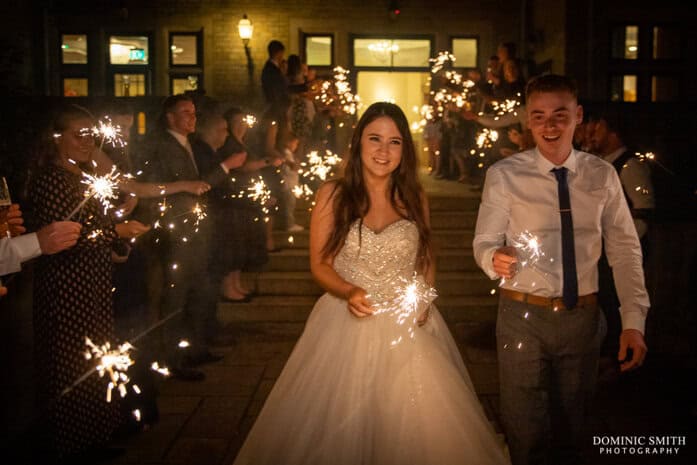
(553, 303)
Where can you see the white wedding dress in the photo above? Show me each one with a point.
(379, 390)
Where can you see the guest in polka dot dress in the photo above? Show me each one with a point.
(72, 294)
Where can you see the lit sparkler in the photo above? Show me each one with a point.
(250, 120)
(651, 157)
(486, 138)
(108, 132)
(102, 187)
(441, 60)
(114, 362)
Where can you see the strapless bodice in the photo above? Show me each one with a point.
(377, 261)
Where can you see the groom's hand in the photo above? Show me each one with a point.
(505, 261)
(634, 340)
(358, 303)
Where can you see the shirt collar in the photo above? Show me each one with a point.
(181, 138)
(612, 156)
(545, 166)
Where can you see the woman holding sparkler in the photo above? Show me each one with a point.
(72, 292)
(376, 377)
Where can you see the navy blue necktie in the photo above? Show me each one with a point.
(568, 254)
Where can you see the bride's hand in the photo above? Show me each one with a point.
(423, 318)
(358, 303)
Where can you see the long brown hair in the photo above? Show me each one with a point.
(351, 199)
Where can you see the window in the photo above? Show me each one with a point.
(391, 53)
(74, 49)
(465, 50)
(185, 61)
(318, 49)
(184, 49)
(664, 89)
(666, 43)
(129, 85)
(130, 64)
(128, 50)
(625, 42)
(181, 84)
(75, 87)
(623, 88)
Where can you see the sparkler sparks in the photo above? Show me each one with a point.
(109, 133)
(651, 157)
(103, 188)
(250, 120)
(114, 362)
(441, 60)
(528, 247)
(486, 138)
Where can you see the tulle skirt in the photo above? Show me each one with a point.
(372, 391)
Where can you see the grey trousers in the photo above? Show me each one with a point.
(548, 364)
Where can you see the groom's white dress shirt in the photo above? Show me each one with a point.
(520, 196)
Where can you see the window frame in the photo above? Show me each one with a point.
(452, 38)
(303, 53)
(136, 68)
(199, 49)
(352, 56)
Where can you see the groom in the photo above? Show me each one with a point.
(549, 327)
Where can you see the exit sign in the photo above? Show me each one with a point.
(136, 54)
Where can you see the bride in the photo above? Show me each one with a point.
(374, 379)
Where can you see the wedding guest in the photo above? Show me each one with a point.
(72, 293)
(549, 326)
(273, 81)
(187, 287)
(241, 236)
(16, 247)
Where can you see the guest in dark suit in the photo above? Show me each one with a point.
(273, 79)
(187, 286)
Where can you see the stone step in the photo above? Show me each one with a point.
(442, 239)
(439, 219)
(297, 259)
(449, 283)
(296, 308)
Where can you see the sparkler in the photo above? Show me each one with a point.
(250, 120)
(486, 138)
(441, 60)
(411, 295)
(338, 93)
(101, 187)
(114, 362)
(528, 249)
(651, 157)
(109, 133)
(507, 106)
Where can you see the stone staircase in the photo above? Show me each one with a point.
(287, 290)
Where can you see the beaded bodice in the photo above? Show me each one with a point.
(376, 261)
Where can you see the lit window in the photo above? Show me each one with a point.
(623, 88)
(74, 49)
(129, 85)
(625, 42)
(664, 89)
(380, 52)
(75, 87)
(465, 51)
(182, 84)
(318, 50)
(184, 49)
(128, 50)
